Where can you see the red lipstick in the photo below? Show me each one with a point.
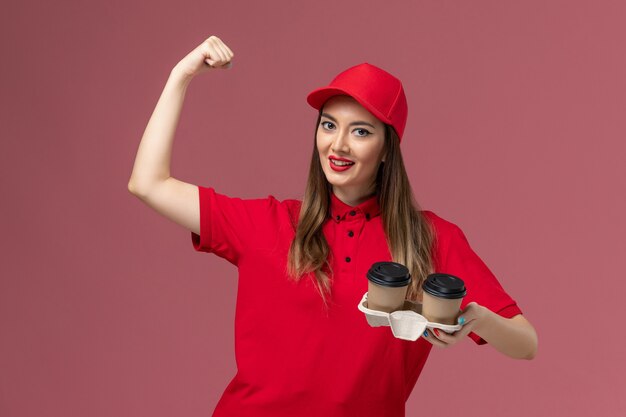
(337, 167)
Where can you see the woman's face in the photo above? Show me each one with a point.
(350, 132)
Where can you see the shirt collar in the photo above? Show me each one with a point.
(340, 210)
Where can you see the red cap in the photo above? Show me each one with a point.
(375, 89)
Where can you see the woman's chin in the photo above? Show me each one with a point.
(336, 182)
(342, 186)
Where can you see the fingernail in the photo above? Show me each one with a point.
(436, 332)
(425, 333)
(461, 320)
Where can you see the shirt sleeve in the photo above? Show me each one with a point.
(230, 225)
(481, 284)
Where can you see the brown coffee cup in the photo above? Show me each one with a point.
(443, 294)
(387, 286)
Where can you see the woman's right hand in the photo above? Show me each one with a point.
(210, 54)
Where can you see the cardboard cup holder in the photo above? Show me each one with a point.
(406, 324)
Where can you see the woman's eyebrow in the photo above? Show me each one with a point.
(358, 122)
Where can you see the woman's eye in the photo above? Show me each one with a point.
(359, 132)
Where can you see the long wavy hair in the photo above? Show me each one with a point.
(409, 235)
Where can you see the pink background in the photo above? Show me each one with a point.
(516, 133)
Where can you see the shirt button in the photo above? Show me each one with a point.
(367, 216)
(338, 217)
(348, 259)
(350, 233)
(353, 213)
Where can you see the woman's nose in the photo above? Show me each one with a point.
(340, 142)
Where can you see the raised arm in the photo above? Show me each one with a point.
(150, 179)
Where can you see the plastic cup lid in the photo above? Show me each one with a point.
(389, 274)
(444, 286)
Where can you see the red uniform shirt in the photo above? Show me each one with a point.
(293, 358)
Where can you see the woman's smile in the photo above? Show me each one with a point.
(340, 164)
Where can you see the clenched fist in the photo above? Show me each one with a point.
(210, 54)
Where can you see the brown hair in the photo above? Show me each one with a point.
(409, 235)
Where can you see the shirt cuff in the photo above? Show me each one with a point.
(202, 242)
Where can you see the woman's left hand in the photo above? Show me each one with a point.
(471, 317)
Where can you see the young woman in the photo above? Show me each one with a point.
(302, 347)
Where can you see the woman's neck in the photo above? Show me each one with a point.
(352, 198)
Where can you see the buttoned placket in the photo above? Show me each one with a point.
(350, 227)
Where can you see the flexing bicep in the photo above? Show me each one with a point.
(175, 200)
